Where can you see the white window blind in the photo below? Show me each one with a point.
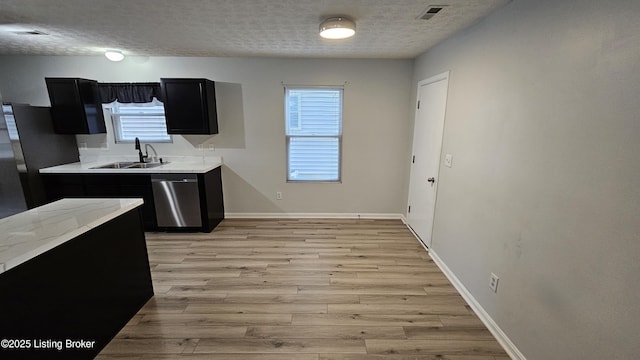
(11, 122)
(314, 133)
(144, 121)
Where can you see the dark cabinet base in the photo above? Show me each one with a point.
(211, 196)
(83, 291)
(58, 186)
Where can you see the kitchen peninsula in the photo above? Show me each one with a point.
(72, 273)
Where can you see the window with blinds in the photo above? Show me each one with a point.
(314, 133)
(11, 122)
(144, 121)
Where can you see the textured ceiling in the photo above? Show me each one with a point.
(268, 28)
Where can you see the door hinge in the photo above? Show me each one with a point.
(413, 159)
(408, 211)
(418, 104)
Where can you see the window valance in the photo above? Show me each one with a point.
(128, 92)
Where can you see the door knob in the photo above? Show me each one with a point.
(431, 180)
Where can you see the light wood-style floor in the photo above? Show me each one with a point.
(300, 289)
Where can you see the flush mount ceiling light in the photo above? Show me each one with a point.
(114, 55)
(338, 27)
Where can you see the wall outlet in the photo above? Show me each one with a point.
(493, 282)
(212, 147)
(448, 160)
(278, 195)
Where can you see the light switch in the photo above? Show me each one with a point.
(448, 159)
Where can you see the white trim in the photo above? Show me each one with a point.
(292, 135)
(504, 341)
(434, 78)
(383, 216)
(406, 223)
(502, 338)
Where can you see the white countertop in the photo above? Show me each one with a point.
(200, 166)
(28, 234)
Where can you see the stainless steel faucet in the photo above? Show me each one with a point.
(146, 151)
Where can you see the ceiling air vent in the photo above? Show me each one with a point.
(30, 32)
(431, 12)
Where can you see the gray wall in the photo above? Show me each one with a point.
(376, 130)
(543, 121)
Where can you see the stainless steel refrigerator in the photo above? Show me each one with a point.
(28, 144)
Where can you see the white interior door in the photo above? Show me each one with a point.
(427, 146)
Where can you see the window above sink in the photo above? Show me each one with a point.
(145, 121)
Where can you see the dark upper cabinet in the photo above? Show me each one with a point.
(190, 106)
(75, 106)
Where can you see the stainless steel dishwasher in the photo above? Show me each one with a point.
(177, 200)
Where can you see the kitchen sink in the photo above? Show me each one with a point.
(115, 165)
(129, 165)
(145, 165)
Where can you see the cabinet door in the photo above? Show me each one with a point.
(124, 186)
(139, 186)
(75, 107)
(58, 186)
(190, 106)
(102, 186)
(211, 198)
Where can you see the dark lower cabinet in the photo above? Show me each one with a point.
(102, 185)
(211, 200)
(139, 186)
(124, 186)
(58, 186)
(127, 185)
(70, 301)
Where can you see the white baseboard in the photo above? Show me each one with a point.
(381, 216)
(502, 338)
(404, 220)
